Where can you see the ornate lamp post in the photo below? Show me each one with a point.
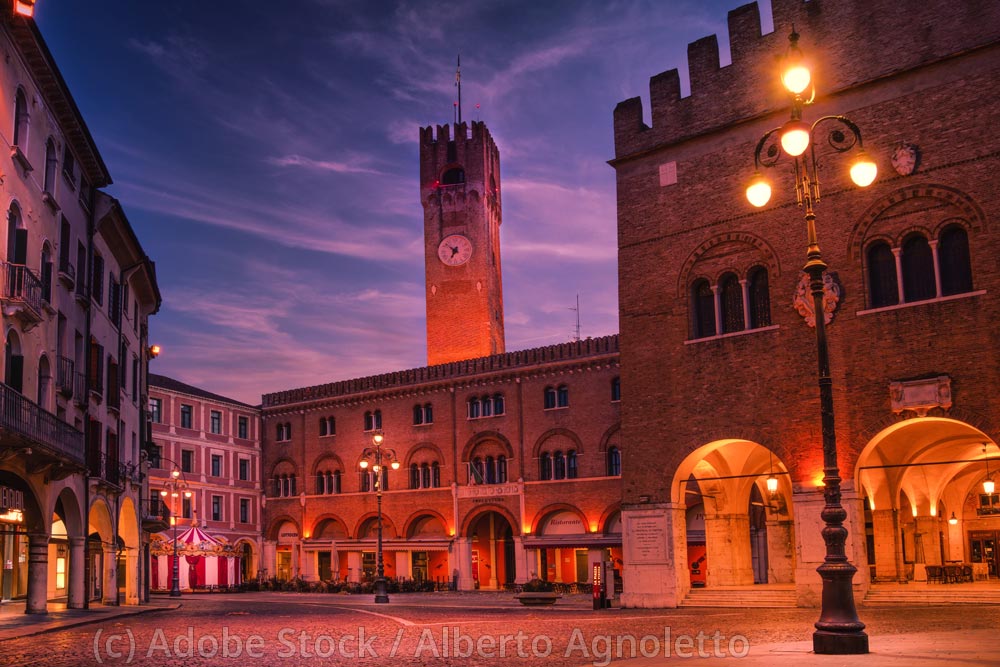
(839, 630)
(377, 457)
(175, 486)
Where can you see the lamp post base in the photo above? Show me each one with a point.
(381, 591)
(839, 643)
(175, 594)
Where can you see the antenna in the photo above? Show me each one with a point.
(576, 331)
(458, 84)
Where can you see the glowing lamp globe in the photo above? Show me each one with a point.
(759, 191)
(796, 78)
(989, 487)
(363, 464)
(953, 520)
(795, 137)
(395, 465)
(863, 171)
(772, 484)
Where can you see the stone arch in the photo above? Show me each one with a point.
(72, 513)
(966, 207)
(412, 454)
(481, 510)
(554, 508)
(552, 434)
(328, 461)
(614, 432)
(34, 520)
(611, 515)
(388, 526)
(911, 231)
(325, 526)
(279, 521)
(487, 436)
(101, 521)
(754, 249)
(283, 466)
(951, 222)
(414, 521)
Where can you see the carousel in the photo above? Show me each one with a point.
(206, 562)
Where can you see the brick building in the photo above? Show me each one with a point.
(720, 364)
(214, 443)
(510, 461)
(76, 289)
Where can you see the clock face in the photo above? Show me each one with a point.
(455, 250)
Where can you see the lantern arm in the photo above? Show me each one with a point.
(769, 157)
(837, 138)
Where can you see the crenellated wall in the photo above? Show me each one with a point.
(874, 38)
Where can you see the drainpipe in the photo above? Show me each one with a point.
(88, 284)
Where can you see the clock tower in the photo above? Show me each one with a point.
(460, 193)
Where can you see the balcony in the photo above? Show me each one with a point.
(80, 389)
(67, 273)
(65, 376)
(24, 424)
(105, 469)
(114, 398)
(21, 294)
(155, 516)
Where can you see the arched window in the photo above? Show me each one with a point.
(478, 471)
(418, 415)
(953, 255)
(562, 396)
(366, 480)
(550, 398)
(336, 481)
(571, 464)
(545, 466)
(46, 273)
(425, 476)
(760, 298)
(49, 182)
(453, 176)
(883, 289)
(501, 469)
(279, 432)
(428, 414)
(373, 420)
(491, 470)
(558, 466)
(435, 475)
(703, 309)
(291, 479)
(487, 406)
(918, 269)
(732, 303)
(498, 405)
(414, 476)
(473, 408)
(614, 462)
(21, 120)
(320, 483)
(616, 389)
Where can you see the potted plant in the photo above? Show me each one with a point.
(537, 592)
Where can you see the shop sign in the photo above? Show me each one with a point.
(11, 499)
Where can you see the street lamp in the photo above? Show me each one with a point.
(175, 486)
(839, 630)
(377, 456)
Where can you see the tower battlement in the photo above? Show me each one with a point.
(471, 146)
(849, 42)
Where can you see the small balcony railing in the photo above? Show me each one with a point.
(65, 375)
(80, 388)
(22, 291)
(104, 467)
(28, 420)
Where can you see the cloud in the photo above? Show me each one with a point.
(321, 165)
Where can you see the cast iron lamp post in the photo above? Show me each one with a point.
(175, 486)
(377, 456)
(838, 630)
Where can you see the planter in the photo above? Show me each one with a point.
(537, 598)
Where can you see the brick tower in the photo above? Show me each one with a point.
(460, 193)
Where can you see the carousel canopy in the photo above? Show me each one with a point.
(193, 542)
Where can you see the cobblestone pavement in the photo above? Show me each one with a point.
(448, 629)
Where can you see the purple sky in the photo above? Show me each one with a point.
(266, 154)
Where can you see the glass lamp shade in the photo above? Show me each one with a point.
(796, 78)
(759, 191)
(989, 487)
(863, 171)
(953, 519)
(376, 468)
(363, 464)
(395, 465)
(163, 493)
(377, 438)
(795, 137)
(772, 484)
(188, 494)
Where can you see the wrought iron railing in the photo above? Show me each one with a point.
(29, 420)
(22, 286)
(80, 387)
(104, 467)
(156, 509)
(65, 375)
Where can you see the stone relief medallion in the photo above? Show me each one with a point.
(905, 158)
(803, 299)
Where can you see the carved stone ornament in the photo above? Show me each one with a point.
(803, 299)
(920, 396)
(905, 158)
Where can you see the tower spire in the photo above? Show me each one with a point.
(458, 84)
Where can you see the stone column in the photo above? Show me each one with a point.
(654, 540)
(354, 566)
(269, 558)
(929, 528)
(308, 571)
(111, 574)
(727, 539)
(884, 527)
(403, 564)
(463, 547)
(780, 552)
(812, 549)
(897, 254)
(521, 561)
(559, 565)
(38, 573)
(76, 593)
(131, 577)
